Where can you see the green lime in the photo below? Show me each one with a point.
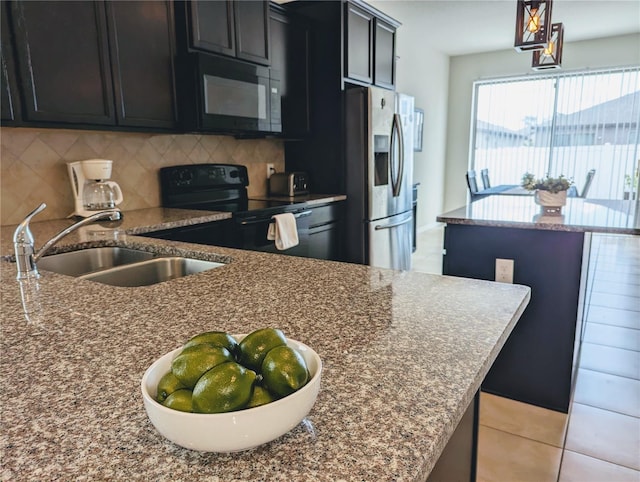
(195, 360)
(167, 385)
(284, 371)
(218, 338)
(224, 388)
(261, 396)
(179, 400)
(255, 346)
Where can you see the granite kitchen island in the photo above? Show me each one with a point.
(404, 356)
(551, 255)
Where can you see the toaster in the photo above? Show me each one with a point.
(288, 183)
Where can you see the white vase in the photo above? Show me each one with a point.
(551, 202)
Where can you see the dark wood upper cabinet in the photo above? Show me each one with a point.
(289, 43)
(370, 47)
(351, 40)
(9, 99)
(359, 46)
(63, 61)
(95, 63)
(235, 28)
(252, 31)
(385, 55)
(213, 27)
(141, 37)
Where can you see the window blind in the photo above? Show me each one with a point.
(566, 123)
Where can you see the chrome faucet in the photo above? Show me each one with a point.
(24, 244)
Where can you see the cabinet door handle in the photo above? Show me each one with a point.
(299, 215)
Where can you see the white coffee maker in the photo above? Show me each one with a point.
(91, 188)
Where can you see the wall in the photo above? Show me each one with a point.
(33, 165)
(465, 69)
(423, 73)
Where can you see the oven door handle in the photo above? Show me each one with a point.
(258, 221)
(303, 214)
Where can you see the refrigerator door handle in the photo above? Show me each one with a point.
(378, 227)
(396, 136)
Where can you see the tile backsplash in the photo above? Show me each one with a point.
(33, 165)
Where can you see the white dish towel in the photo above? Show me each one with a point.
(284, 231)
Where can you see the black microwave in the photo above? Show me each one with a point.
(231, 96)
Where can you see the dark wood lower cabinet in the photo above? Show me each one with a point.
(458, 461)
(319, 233)
(537, 364)
(324, 237)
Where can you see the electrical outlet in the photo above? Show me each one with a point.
(270, 169)
(504, 270)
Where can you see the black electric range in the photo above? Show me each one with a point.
(216, 187)
(223, 187)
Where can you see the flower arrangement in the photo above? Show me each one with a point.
(551, 184)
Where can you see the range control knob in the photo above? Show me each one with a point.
(182, 177)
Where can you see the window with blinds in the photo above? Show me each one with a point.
(567, 123)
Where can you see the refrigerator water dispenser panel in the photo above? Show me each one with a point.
(381, 160)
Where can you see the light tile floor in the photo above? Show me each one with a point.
(599, 440)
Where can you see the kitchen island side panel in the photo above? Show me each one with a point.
(536, 364)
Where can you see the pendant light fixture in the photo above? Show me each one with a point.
(551, 56)
(533, 22)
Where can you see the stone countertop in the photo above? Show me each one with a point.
(403, 352)
(582, 215)
(142, 221)
(138, 221)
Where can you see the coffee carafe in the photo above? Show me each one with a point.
(91, 187)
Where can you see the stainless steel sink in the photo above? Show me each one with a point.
(76, 263)
(151, 272)
(123, 266)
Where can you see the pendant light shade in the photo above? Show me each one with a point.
(533, 22)
(551, 56)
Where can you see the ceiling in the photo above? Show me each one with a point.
(458, 27)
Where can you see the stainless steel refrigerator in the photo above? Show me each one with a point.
(379, 176)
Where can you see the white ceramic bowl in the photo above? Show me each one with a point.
(231, 431)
